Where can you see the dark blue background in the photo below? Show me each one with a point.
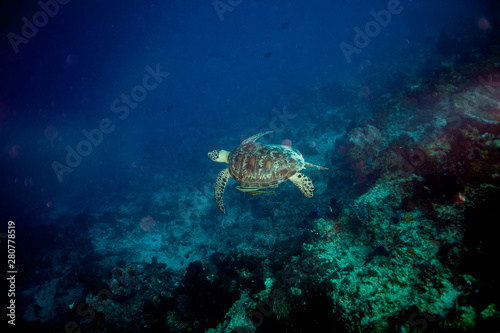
(226, 76)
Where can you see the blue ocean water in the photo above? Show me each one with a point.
(110, 222)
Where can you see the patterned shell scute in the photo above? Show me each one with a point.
(260, 165)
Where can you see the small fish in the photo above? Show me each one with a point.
(171, 107)
(284, 25)
(267, 55)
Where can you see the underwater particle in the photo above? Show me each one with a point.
(286, 142)
(51, 133)
(14, 151)
(71, 59)
(147, 223)
(459, 198)
(483, 23)
(364, 92)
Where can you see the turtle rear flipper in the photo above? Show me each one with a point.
(220, 185)
(304, 184)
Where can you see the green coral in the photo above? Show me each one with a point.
(490, 312)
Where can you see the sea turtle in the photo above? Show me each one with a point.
(258, 166)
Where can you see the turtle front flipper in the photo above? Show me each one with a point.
(255, 137)
(220, 185)
(304, 184)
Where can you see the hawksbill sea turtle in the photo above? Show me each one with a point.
(258, 167)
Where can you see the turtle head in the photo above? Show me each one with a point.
(218, 155)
